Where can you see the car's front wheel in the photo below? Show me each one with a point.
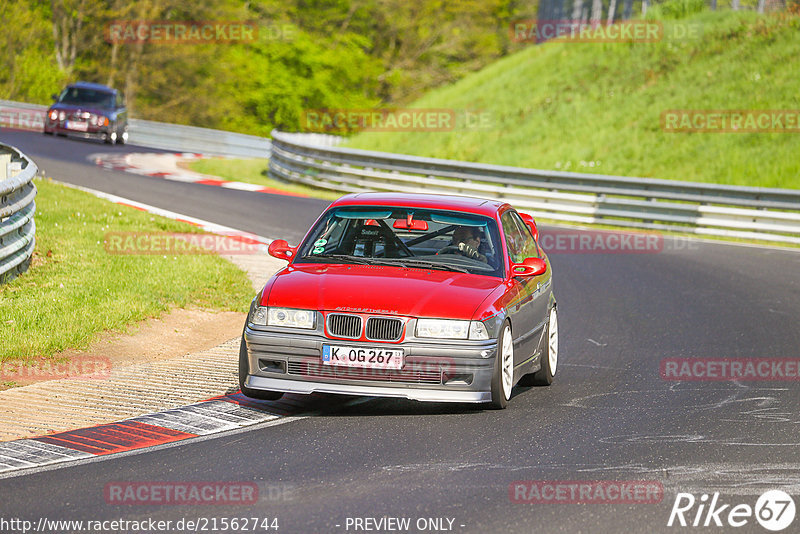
(503, 378)
(544, 376)
(244, 368)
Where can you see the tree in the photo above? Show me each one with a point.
(70, 19)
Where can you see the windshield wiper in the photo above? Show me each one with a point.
(399, 262)
(342, 257)
(407, 262)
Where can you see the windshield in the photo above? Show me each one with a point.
(77, 95)
(414, 238)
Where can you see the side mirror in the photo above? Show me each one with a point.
(280, 249)
(531, 225)
(54, 97)
(529, 267)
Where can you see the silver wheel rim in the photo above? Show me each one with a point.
(113, 136)
(552, 342)
(507, 364)
(125, 136)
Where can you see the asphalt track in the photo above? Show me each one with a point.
(608, 416)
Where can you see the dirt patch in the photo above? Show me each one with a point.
(177, 333)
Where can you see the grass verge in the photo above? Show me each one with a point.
(596, 107)
(75, 289)
(254, 171)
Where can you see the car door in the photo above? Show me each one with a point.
(529, 308)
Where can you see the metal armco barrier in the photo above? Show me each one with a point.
(17, 115)
(706, 209)
(17, 227)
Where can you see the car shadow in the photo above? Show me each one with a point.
(351, 406)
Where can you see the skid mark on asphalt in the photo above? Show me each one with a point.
(731, 479)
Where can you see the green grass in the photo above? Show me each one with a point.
(75, 289)
(253, 171)
(596, 107)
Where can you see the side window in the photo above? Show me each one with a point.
(529, 248)
(515, 240)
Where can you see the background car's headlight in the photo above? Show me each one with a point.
(291, 318)
(451, 329)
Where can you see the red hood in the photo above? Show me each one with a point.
(382, 290)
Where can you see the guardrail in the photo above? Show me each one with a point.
(17, 227)
(644, 203)
(18, 115)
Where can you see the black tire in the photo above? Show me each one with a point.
(47, 133)
(108, 140)
(243, 369)
(545, 375)
(499, 400)
(121, 136)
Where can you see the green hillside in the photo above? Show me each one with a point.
(596, 107)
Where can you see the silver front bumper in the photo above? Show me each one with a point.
(458, 371)
(306, 387)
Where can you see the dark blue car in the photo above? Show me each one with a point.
(89, 110)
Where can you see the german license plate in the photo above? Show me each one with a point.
(77, 126)
(370, 357)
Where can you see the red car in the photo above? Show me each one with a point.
(426, 297)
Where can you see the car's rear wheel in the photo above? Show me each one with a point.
(544, 376)
(503, 378)
(243, 371)
(123, 138)
(111, 138)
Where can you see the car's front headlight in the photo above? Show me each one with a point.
(451, 329)
(259, 315)
(287, 317)
(98, 120)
